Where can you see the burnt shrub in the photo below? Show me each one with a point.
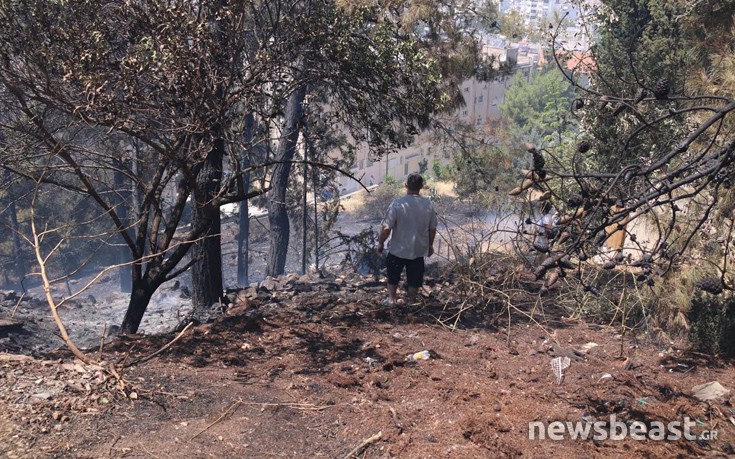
(712, 324)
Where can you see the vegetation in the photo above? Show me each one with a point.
(377, 201)
(712, 322)
(655, 148)
(171, 109)
(538, 110)
(172, 104)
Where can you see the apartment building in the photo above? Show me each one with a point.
(533, 11)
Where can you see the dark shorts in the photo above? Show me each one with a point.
(414, 270)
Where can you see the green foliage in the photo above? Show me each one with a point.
(389, 83)
(512, 25)
(538, 110)
(440, 171)
(640, 42)
(488, 161)
(712, 324)
(477, 173)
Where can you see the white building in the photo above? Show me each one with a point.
(533, 11)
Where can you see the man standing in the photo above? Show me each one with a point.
(411, 225)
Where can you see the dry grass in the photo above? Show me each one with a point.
(443, 188)
(356, 201)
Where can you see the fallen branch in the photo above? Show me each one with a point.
(17, 304)
(170, 343)
(102, 339)
(298, 406)
(364, 444)
(229, 410)
(114, 442)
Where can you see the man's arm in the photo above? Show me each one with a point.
(384, 233)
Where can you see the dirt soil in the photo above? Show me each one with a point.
(317, 368)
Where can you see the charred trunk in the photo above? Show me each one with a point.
(243, 237)
(140, 297)
(19, 265)
(19, 261)
(206, 272)
(277, 208)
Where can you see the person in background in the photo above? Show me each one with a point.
(411, 225)
(544, 225)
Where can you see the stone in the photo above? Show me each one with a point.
(250, 293)
(242, 297)
(9, 324)
(585, 348)
(42, 396)
(8, 295)
(290, 278)
(269, 284)
(712, 390)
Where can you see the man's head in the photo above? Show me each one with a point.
(414, 182)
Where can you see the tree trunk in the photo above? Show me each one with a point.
(19, 266)
(243, 236)
(206, 272)
(19, 262)
(277, 209)
(315, 175)
(139, 299)
(305, 213)
(122, 205)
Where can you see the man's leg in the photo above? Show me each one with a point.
(414, 277)
(392, 292)
(394, 267)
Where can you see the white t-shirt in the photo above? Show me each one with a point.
(546, 221)
(410, 218)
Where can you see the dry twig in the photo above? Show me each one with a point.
(367, 442)
(170, 343)
(229, 410)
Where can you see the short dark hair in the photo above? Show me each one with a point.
(414, 182)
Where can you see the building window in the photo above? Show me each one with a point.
(464, 113)
(467, 89)
(405, 169)
(479, 121)
(479, 99)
